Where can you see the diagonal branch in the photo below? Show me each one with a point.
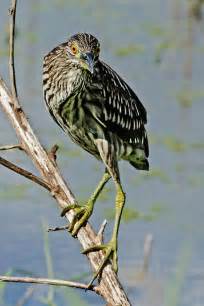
(45, 281)
(11, 147)
(24, 173)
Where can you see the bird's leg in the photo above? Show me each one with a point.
(111, 247)
(83, 212)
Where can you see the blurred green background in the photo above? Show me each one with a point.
(158, 48)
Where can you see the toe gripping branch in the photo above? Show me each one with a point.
(81, 216)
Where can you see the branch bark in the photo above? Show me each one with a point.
(109, 287)
(24, 173)
(44, 281)
(10, 147)
(12, 29)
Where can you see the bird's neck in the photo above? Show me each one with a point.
(65, 78)
(77, 79)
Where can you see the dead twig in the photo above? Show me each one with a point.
(53, 153)
(56, 229)
(12, 73)
(11, 147)
(101, 231)
(45, 281)
(24, 173)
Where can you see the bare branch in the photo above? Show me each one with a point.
(45, 281)
(24, 173)
(12, 12)
(11, 147)
(56, 229)
(52, 154)
(101, 231)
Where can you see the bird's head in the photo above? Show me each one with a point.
(83, 49)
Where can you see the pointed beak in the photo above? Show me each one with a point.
(88, 61)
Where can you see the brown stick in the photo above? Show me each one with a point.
(44, 281)
(24, 173)
(12, 73)
(10, 147)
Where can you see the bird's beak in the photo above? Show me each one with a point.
(88, 61)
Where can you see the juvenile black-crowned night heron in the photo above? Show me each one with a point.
(102, 114)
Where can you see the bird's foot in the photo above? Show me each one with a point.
(82, 214)
(110, 253)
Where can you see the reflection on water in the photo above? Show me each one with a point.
(158, 48)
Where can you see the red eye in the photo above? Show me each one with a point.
(74, 49)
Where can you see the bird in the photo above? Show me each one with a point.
(99, 111)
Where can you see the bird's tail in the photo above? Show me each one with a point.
(140, 164)
(139, 160)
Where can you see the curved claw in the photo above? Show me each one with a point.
(68, 208)
(110, 253)
(75, 218)
(82, 214)
(94, 248)
(85, 213)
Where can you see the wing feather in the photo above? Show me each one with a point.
(124, 114)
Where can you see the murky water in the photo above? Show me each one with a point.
(159, 51)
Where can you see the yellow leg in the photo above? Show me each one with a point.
(111, 247)
(84, 212)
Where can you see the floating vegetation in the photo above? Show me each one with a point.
(14, 192)
(174, 144)
(74, 298)
(76, 152)
(130, 50)
(180, 168)
(195, 181)
(32, 37)
(155, 173)
(155, 30)
(186, 97)
(4, 52)
(130, 214)
(104, 195)
(160, 174)
(161, 48)
(197, 145)
(158, 208)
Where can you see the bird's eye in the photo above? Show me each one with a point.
(74, 49)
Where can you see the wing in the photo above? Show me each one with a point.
(123, 113)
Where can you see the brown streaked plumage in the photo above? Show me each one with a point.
(101, 113)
